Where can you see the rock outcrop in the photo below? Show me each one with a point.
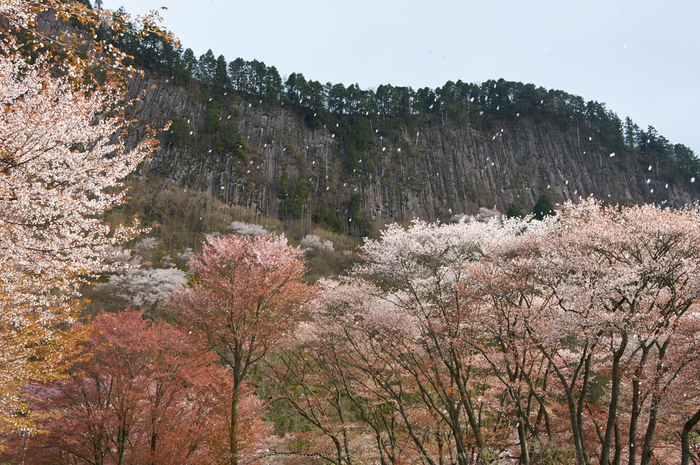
(433, 169)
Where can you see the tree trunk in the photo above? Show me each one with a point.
(685, 440)
(154, 427)
(655, 402)
(636, 407)
(97, 451)
(233, 431)
(121, 444)
(614, 400)
(524, 451)
(154, 446)
(651, 427)
(618, 446)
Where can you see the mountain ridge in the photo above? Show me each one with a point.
(431, 167)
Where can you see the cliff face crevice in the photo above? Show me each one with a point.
(433, 169)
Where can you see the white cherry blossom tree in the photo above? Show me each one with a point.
(62, 156)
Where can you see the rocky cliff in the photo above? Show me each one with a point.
(431, 167)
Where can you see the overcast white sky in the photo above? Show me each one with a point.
(640, 57)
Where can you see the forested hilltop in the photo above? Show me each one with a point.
(345, 157)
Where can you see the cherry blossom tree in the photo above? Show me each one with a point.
(62, 156)
(577, 331)
(619, 284)
(247, 293)
(500, 296)
(333, 372)
(419, 271)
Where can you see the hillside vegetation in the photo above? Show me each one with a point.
(167, 319)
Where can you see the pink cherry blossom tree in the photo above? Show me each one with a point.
(247, 293)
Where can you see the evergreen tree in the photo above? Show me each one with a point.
(543, 207)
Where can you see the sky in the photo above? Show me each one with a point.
(641, 58)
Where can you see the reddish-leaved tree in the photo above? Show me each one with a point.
(140, 393)
(248, 291)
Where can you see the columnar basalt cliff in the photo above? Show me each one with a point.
(432, 168)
